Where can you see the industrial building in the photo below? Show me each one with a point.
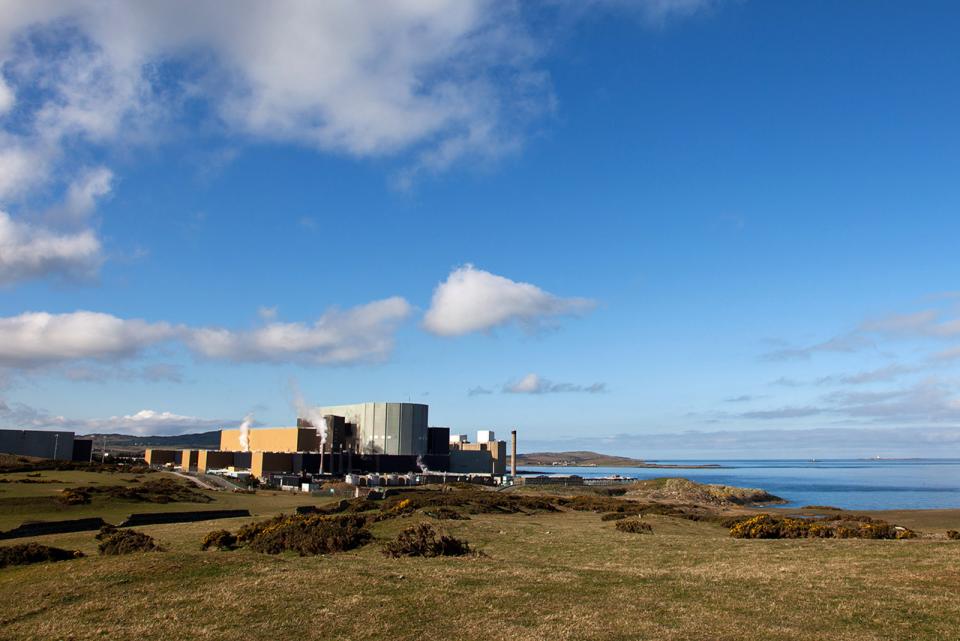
(384, 428)
(271, 439)
(57, 445)
(362, 438)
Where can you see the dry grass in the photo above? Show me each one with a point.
(546, 576)
(543, 575)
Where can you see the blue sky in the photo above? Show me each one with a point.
(670, 228)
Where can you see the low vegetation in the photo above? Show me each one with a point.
(634, 526)
(14, 463)
(305, 534)
(27, 553)
(687, 491)
(220, 540)
(765, 526)
(124, 541)
(563, 572)
(953, 535)
(162, 490)
(423, 540)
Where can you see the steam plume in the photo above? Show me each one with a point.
(311, 414)
(245, 432)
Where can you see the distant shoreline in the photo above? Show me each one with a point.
(646, 466)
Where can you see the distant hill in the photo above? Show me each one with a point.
(577, 458)
(591, 459)
(199, 440)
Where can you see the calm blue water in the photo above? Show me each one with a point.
(850, 484)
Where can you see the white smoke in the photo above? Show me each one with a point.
(311, 414)
(422, 465)
(245, 433)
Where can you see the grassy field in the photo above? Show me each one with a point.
(542, 576)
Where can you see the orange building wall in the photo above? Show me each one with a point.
(272, 439)
(265, 462)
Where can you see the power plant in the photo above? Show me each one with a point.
(360, 443)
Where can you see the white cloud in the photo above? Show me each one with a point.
(365, 79)
(436, 80)
(21, 168)
(144, 422)
(7, 99)
(28, 252)
(39, 339)
(34, 339)
(473, 300)
(535, 384)
(84, 192)
(362, 333)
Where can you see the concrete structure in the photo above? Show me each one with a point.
(188, 460)
(272, 439)
(456, 439)
(162, 457)
(385, 428)
(486, 436)
(262, 463)
(513, 453)
(39, 443)
(214, 460)
(485, 457)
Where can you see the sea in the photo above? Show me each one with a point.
(853, 484)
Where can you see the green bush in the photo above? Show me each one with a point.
(635, 526)
(306, 534)
(115, 541)
(765, 526)
(423, 540)
(219, 539)
(27, 553)
(163, 490)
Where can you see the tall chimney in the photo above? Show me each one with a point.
(513, 453)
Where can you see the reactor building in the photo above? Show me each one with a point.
(360, 438)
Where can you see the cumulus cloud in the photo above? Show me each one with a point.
(473, 300)
(436, 81)
(362, 333)
(535, 384)
(39, 339)
(28, 252)
(34, 339)
(367, 79)
(145, 422)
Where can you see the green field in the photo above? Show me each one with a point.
(564, 575)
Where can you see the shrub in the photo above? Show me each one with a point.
(219, 539)
(636, 526)
(765, 526)
(423, 540)
(953, 535)
(126, 542)
(614, 516)
(306, 534)
(27, 553)
(163, 490)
